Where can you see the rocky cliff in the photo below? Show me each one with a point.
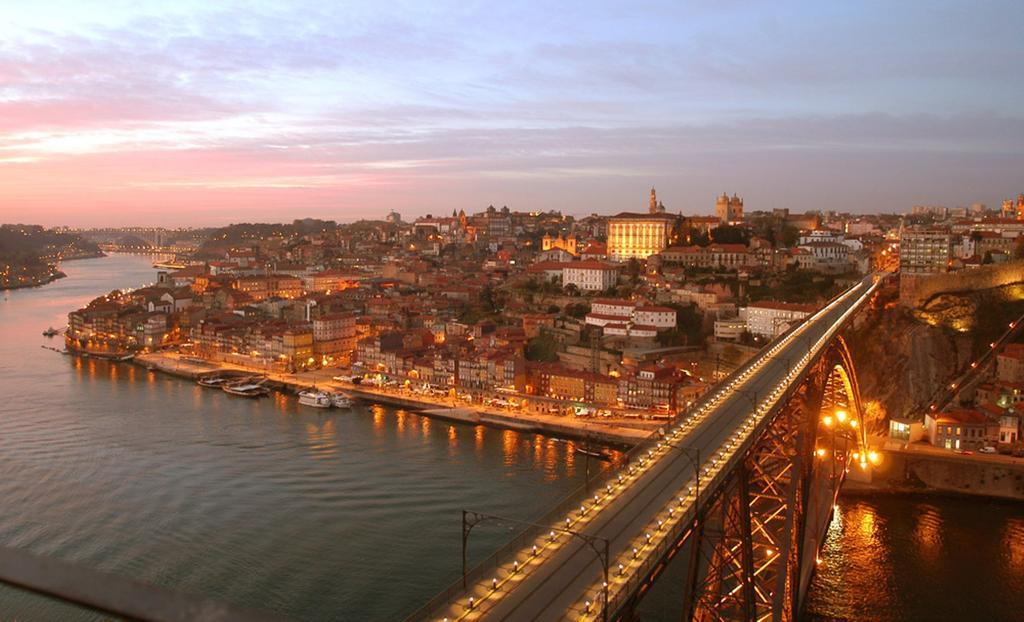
(904, 357)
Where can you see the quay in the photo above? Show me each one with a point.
(613, 432)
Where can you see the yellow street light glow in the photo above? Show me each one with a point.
(827, 420)
(821, 452)
(841, 415)
(873, 457)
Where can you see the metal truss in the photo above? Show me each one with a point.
(749, 555)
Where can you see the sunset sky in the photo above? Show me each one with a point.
(199, 112)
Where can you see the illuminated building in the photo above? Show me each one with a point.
(637, 235)
(925, 251)
(567, 244)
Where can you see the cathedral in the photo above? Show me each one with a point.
(729, 209)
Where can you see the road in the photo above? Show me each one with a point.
(566, 574)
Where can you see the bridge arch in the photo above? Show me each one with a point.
(754, 552)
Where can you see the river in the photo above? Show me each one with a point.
(356, 515)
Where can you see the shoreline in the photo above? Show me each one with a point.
(53, 277)
(59, 274)
(548, 425)
(853, 489)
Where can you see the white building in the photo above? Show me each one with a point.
(619, 308)
(771, 319)
(591, 276)
(605, 313)
(819, 235)
(662, 318)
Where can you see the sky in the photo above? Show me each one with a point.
(195, 113)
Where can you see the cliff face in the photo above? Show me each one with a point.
(905, 357)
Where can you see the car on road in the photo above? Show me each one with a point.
(987, 450)
(965, 452)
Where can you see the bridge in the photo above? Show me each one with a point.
(744, 485)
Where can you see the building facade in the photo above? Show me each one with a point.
(637, 235)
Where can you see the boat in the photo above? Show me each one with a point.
(51, 332)
(600, 455)
(340, 400)
(213, 382)
(314, 398)
(247, 387)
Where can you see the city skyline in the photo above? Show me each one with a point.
(148, 115)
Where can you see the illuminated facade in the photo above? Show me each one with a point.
(637, 235)
(567, 244)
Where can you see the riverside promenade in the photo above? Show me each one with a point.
(611, 430)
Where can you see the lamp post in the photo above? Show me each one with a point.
(692, 455)
(599, 545)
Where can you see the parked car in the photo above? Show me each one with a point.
(987, 450)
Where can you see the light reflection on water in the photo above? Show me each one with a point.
(889, 559)
(315, 514)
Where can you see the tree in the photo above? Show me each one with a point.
(576, 310)
(789, 236)
(553, 309)
(728, 234)
(1018, 248)
(487, 300)
(633, 270)
(572, 289)
(987, 258)
(542, 348)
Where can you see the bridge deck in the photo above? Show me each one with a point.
(566, 572)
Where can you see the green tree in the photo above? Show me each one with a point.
(542, 348)
(728, 234)
(633, 270)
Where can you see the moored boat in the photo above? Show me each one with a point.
(245, 388)
(340, 400)
(213, 382)
(314, 398)
(600, 455)
(51, 332)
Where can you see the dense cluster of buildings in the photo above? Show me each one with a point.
(618, 311)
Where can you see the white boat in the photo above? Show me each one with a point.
(340, 400)
(314, 398)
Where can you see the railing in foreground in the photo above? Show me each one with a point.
(125, 598)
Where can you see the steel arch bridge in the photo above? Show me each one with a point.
(744, 486)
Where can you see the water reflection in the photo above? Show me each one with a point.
(510, 447)
(928, 533)
(322, 438)
(886, 559)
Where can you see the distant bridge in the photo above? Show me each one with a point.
(745, 483)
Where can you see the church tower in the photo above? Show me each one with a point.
(653, 206)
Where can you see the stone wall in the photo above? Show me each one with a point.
(916, 290)
(969, 475)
